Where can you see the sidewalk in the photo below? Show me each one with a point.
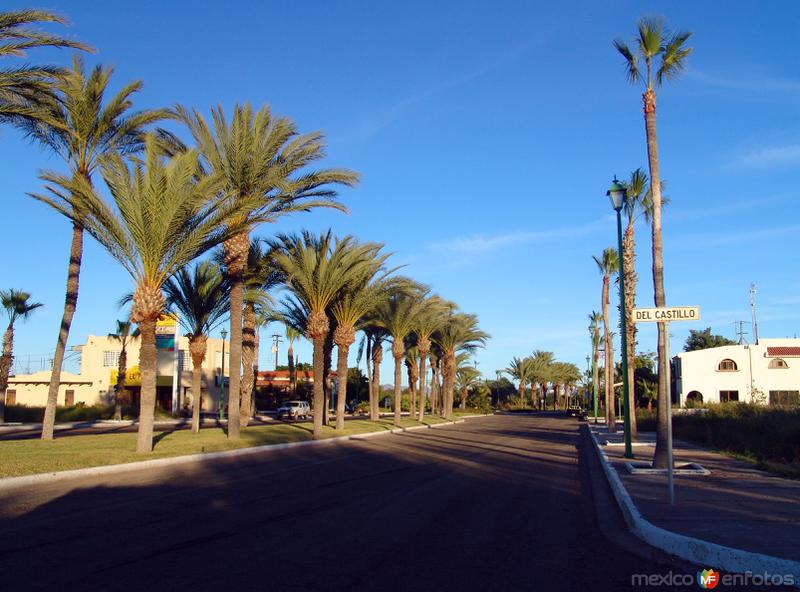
(736, 506)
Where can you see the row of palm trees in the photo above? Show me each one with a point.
(657, 56)
(542, 371)
(171, 204)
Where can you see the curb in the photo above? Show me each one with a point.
(40, 478)
(697, 551)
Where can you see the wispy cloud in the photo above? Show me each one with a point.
(772, 157)
(755, 84)
(478, 244)
(372, 123)
(730, 207)
(733, 238)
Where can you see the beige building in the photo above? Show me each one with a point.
(98, 374)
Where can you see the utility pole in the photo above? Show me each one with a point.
(276, 341)
(740, 331)
(753, 288)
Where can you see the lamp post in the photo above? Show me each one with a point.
(224, 334)
(588, 380)
(618, 194)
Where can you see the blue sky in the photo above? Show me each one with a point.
(486, 134)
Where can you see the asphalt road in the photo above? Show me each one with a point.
(493, 504)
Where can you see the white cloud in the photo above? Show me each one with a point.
(772, 157)
(756, 84)
(479, 244)
(732, 238)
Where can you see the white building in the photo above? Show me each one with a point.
(768, 372)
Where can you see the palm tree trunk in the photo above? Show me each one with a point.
(412, 392)
(256, 354)
(292, 371)
(521, 394)
(236, 249)
(197, 349)
(370, 390)
(629, 269)
(448, 382)
(422, 346)
(326, 373)
(377, 358)
(319, 393)
(119, 391)
(463, 399)
(344, 337)
(661, 452)
(398, 352)
(147, 400)
(248, 351)
(6, 360)
(70, 303)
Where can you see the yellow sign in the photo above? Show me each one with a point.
(133, 377)
(167, 320)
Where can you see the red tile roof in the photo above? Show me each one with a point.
(783, 352)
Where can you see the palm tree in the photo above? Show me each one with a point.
(200, 297)
(426, 321)
(167, 214)
(652, 43)
(412, 372)
(124, 334)
(541, 362)
(81, 127)
(317, 268)
(608, 264)
(397, 314)
(467, 377)
(594, 331)
(24, 89)
(520, 369)
(458, 333)
(362, 294)
(261, 160)
(261, 275)
(17, 306)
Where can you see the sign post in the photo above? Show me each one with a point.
(667, 314)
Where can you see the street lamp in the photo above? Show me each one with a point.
(224, 334)
(618, 194)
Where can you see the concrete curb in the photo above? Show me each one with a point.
(697, 551)
(40, 478)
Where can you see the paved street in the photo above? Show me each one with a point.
(497, 503)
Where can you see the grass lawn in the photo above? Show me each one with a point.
(27, 457)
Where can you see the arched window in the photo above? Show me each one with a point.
(727, 365)
(778, 363)
(694, 397)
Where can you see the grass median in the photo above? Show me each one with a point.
(28, 457)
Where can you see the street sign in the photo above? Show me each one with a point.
(665, 314)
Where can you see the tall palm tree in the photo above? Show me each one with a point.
(363, 293)
(397, 314)
(200, 297)
(261, 159)
(81, 127)
(167, 213)
(24, 89)
(412, 372)
(541, 362)
(608, 264)
(317, 268)
(458, 333)
(520, 369)
(18, 307)
(594, 331)
(261, 275)
(655, 44)
(427, 320)
(124, 334)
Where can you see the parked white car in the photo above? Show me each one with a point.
(294, 410)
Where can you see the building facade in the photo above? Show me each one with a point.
(767, 372)
(99, 368)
